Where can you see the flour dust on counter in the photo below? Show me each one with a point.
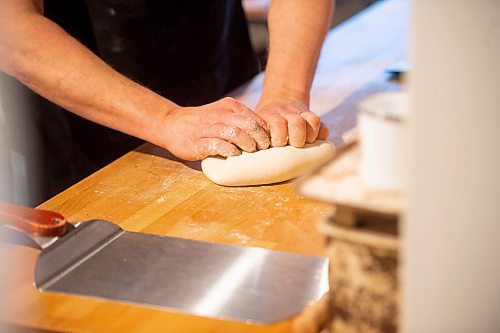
(267, 166)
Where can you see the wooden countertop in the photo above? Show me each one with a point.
(148, 190)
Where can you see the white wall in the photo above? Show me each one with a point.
(452, 254)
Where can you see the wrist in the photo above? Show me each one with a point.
(283, 95)
(157, 122)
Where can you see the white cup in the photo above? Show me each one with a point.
(382, 121)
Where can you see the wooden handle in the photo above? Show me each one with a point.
(34, 221)
(314, 318)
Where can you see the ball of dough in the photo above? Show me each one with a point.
(267, 166)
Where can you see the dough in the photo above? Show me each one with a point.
(267, 166)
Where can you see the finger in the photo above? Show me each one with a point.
(253, 129)
(313, 125)
(296, 129)
(237, 107)
(278, 129)
(213, 146)
(323, 133)
(233, 135)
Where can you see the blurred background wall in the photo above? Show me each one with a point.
(452, 235)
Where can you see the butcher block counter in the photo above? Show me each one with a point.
(150, 191)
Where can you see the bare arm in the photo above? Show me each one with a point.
(44, 57)
(297, 30)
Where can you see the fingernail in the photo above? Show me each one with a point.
(264, 145)
(278, 143)
(234, 153)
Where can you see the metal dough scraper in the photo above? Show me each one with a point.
(99, 259)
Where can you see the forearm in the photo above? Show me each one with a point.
(297, 30)
(44, 57)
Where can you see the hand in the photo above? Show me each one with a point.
(292, 122)
(219, 128)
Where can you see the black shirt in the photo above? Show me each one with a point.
(192, 52)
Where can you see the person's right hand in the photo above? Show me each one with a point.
(218, 128)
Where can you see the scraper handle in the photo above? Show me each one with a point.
(33, 221)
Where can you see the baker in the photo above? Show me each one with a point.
(157, 71)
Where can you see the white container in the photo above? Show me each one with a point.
(383, 131)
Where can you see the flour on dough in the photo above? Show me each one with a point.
(267, 166)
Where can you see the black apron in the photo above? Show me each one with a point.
(192, 52)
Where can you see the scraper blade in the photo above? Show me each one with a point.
(99, 259)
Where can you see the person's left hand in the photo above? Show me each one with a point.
(291, 122)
